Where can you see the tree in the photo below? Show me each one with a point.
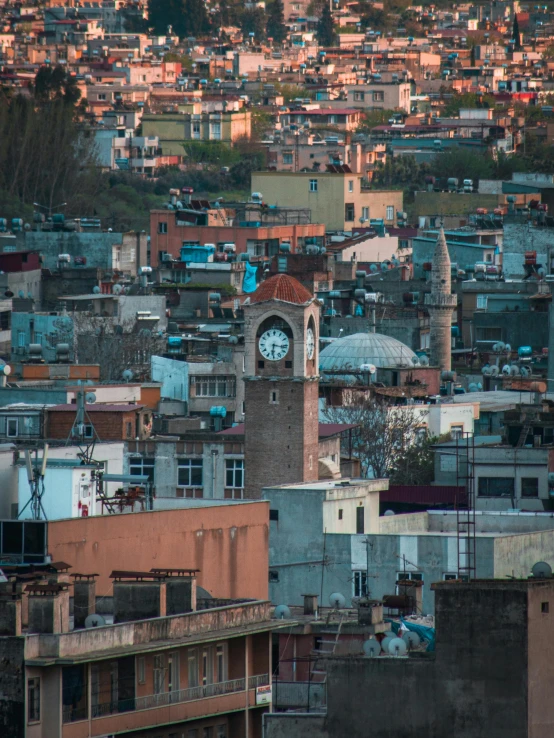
(516, 36)
(276, 28)
(415, 464)
(462, 164)
(54, 83)
(382, 431)
(325, 27)
(100, 340)
(253, 21)
(186, 17)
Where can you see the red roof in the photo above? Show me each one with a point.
(282, 287)
(95, 408)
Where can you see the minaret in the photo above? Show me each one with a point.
(440, 303)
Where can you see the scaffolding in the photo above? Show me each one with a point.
(465, 506)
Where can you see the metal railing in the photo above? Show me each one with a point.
(170, 698)
(73, 714)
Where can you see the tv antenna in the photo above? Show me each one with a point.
(35, 475)
(83, 431)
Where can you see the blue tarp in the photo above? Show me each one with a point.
(426, 634)
(249, 281)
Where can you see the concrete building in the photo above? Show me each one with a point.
(380, 96)
(173, 129)
(173, 658)
(488, 676)
(440, 304)
(337, 200)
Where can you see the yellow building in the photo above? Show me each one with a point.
(173, 129)
(341, 201)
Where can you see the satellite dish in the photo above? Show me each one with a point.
(7, 370)
(472, 387)
(127, 375)
(398, 647)
(411, 639)
(388, 513)
(371, 648)
(281, 612)
(415, 360)
(506, 369)
(507, 347)
(90, 398)
(424, 360)
(486, 371)
(94, 621)
(337, 600)
(21, 294)
(389, 634)
(525, 371)
(514, 370)
(541, 570)
(96, 290)
(495, 371)
(385, 643)
(117, 289)
(373, 268)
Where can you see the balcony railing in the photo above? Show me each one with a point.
(170, 698)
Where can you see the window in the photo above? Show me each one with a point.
(288, 364)
(142, 467)
(261, 364)
(360, 523)
(545, 607)
(234, 473)
(451, 576)
(378, 97)
(193, 668)
(340, 514)
(162, 227)
(38, 338)
(196, 129)
(12, 427)
(274, 515)
(21, 339)
(33, 700)
(273, 575)
(365, 214)
(192, 733)
(274, 397)
(495, 487)
(221, 730)
(456, 431)
(414, 576)
(208, 732)
(141, 670)
(189, 472)
(349, 212)
(360, 583)
(159, 674)
(220, 663)
(215, 130)
(529, 487)
(420, 434)
(313, 185)
(287, 158)
(101, 95)
(359, 96)
(128, 430)
(482, 301)
(350, 185)
(214, 386)
(207, 666)
(390, 212)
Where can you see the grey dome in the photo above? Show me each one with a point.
(350, 352)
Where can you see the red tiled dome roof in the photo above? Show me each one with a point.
(282, 287)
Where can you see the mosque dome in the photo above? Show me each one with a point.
(350, 352)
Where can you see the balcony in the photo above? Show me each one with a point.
(166, 707)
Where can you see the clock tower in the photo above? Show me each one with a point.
(281, 430)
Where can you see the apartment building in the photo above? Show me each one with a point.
(380, 96)
(342, 201)
(169, 661)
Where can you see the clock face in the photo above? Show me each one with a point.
(310, 343)
(273, 344)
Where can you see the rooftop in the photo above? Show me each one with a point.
(282, 287)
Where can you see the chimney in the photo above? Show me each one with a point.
(310, 604)
(84, 598)
(138, 595)
(48, 608)
(10, 614)
(180, 590)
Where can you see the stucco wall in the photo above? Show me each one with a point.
(227, 543)
(515, 555)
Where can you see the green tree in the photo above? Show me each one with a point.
(415, 464)
(516, 36)
(452, 108)
(186, 17)
(462, 164)
(253, 21)
(54, 83)
(325, 27)
(276, 28)
(373, 118)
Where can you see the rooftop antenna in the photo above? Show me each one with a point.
(35, 475)
(83, 431)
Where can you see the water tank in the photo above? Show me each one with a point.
(218, 411)
(285, 247)
(359, 294)
(64, 258)
(214, 297)
(174, 341)
(525, 352)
